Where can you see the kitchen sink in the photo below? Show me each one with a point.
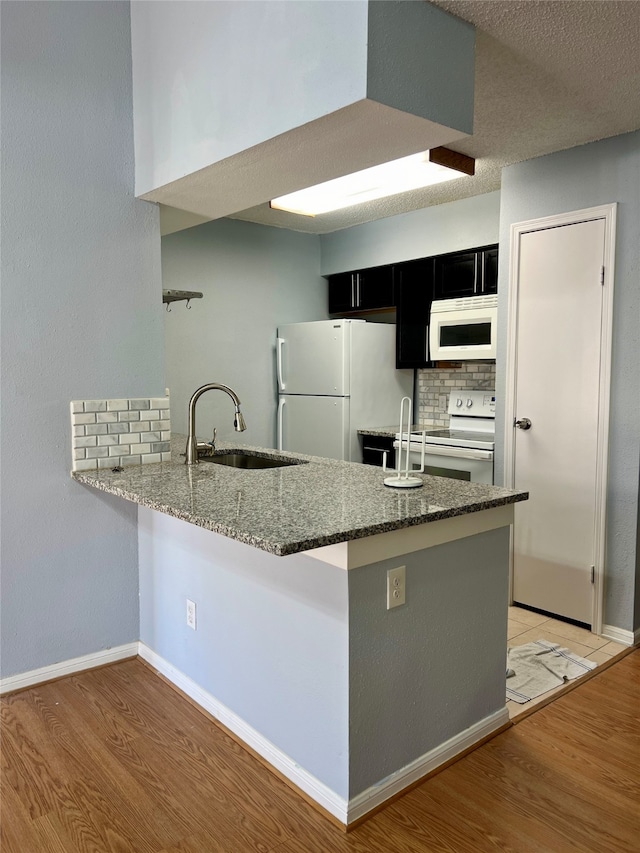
(249, 461)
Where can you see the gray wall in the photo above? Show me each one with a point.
(253, 278)
(423, 673)
(81, 318)
(419, 234)
(599, 173)
(271, 641)
(309, 656)
(185, 120)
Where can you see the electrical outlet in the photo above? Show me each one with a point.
(191, 614)
(396, 593)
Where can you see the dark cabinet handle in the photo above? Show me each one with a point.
(523, 423)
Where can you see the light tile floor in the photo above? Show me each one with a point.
(524, 626)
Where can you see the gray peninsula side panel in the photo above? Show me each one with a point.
(426, 671)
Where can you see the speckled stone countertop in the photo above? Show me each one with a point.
(392, 431)
(295, 508)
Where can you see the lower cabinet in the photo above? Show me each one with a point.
(373, 448)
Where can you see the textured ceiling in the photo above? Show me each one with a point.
(550, 74)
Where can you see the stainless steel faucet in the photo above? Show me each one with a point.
(192, 451)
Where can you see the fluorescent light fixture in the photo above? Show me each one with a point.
(398, 176)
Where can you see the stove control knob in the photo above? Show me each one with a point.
(469, 403)
(458, 402)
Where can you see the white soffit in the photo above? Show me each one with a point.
(549, 76)
(308, 156)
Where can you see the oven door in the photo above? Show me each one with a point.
(459, 463)
(463, 334)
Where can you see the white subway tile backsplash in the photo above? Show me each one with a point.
(88, 418)
(115, 433)
(84, 464)
(97, 452)
(130, 460)
(434, 387)
(105, 440)
(96, 429)
(85, 441)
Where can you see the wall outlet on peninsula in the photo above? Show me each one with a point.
(191, 614)
(396, 587)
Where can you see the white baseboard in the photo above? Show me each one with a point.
(427, 763)
(67, 667)
(620, 635)
(317, 790)
(345, 811)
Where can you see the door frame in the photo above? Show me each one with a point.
(607, 212)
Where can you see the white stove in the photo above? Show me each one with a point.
(465, 450)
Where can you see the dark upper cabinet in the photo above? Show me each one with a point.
(411, 287)
(414, 294)
(469, 273)
(366, 290)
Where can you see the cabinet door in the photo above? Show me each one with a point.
(490, 270)
(374, 447)
(374, 288)
(456, 275)
(342, 292)
(414, 292)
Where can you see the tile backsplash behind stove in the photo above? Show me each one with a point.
(434, 387)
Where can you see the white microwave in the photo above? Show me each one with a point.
(463, 329)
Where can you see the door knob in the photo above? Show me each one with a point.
(523, 423)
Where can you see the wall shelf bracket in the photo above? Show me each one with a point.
(169, 296)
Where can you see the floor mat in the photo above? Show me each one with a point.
(536, 668)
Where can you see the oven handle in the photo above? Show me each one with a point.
(453, 452)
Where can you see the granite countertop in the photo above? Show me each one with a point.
(295, 508)
(392, 431)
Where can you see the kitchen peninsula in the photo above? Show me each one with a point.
(295, 650)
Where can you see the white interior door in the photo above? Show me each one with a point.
(318, 426)
(557, 382)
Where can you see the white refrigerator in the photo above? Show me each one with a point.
(335, 377)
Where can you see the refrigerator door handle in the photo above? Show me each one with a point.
(281, 404)
(279, 363)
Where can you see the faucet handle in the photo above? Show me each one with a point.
(213, 440)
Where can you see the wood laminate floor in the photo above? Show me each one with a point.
(116, 760)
